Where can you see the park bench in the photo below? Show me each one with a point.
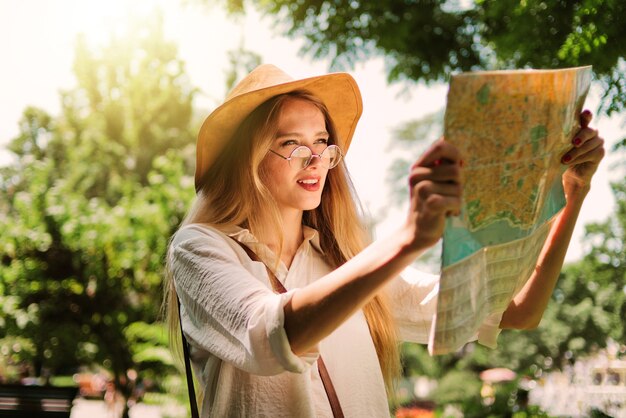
(17, 401)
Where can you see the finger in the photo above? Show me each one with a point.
(440, 150)
(444, 173)
(426, 189)
(450, 173)
(594, 156)
(580, 155)
(443, 161)
(585, 118)
(584, 135)
(590, 161)
(437, 205)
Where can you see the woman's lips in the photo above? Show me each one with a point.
(309, 184)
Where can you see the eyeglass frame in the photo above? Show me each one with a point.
(308, 163)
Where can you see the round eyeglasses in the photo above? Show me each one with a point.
(301, 157)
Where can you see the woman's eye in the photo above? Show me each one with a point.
(288, 143)
(322, 141)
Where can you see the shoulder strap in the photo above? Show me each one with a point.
(278, 287)
(330, 389)
(192, 393)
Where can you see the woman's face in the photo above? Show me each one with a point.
(295, 189)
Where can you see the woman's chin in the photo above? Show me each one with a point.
(312, 205)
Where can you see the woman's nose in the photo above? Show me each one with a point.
(315, 161)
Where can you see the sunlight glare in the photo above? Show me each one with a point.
(99, 20)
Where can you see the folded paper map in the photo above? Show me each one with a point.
(512, 128)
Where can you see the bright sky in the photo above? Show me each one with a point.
(37, 40)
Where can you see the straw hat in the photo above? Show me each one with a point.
(338, 91)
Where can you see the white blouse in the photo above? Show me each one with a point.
(239, 348)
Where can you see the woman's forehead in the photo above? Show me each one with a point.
(297, 115)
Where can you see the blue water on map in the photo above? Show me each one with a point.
(459, 242)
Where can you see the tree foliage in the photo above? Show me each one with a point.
(427, 40)
(88, 205)
(560, 33)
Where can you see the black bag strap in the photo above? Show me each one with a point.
(192, 393)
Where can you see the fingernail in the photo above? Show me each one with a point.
(577, 141)
(461, 163)
(566, 158)
(437, 163)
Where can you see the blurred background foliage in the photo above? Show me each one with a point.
(88, 207)
(94, 193)
(428, 40)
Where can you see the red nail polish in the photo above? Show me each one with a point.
(577, 141)
(566, 158)
(437, 163)
(461, 163)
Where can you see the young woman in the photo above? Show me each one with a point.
(275, 211)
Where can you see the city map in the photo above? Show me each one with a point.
(512, 128)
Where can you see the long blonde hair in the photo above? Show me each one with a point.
(239, 172)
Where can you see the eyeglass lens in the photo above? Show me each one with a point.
(301, 157)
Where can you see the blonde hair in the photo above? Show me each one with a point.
(239, 172)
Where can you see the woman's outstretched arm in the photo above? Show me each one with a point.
(319, 308)
(527, 307)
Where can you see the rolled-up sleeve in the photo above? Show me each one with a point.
(227, 309)
(413, 299)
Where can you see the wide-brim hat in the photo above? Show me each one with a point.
(338, 91)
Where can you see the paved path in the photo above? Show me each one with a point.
(84, 408)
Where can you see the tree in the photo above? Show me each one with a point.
(430, 39)
(89, 204)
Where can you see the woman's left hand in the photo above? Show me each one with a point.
(583, 158)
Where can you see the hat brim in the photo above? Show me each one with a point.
(338, 91)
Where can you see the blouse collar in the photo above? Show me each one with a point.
(244, 236)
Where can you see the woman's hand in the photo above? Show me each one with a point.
(583, 158)
(436, 188)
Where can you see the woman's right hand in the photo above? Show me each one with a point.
(436, 189)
